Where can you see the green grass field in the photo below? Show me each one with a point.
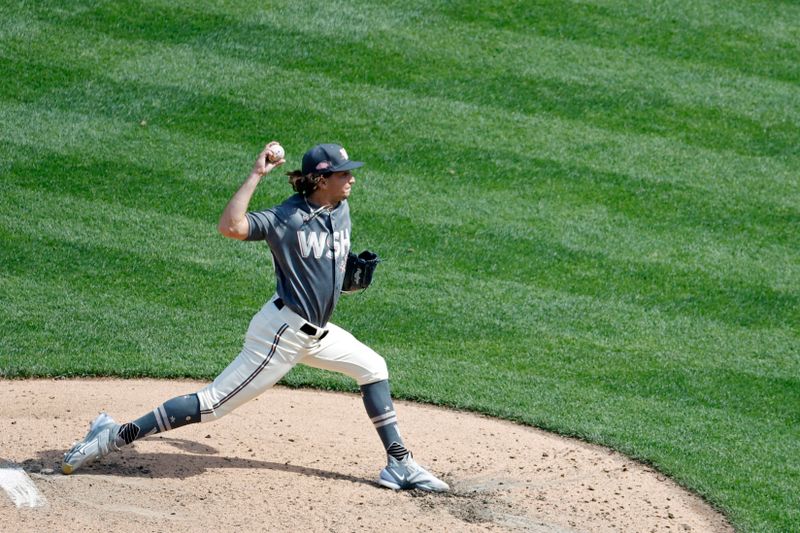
(589, 211)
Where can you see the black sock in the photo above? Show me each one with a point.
(398, 451)
(128, 433)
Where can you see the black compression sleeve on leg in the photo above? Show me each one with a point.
(174, 413)
(378, 402)
(182, 410)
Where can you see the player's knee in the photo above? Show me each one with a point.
(376, 371)
(210, 408)
(382, 372)
(211, 416)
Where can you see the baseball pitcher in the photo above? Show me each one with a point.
(309, 239)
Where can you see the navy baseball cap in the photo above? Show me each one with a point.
(328, 158)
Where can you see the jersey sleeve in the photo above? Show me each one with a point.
(260, 223)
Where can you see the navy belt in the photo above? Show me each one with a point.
(306, 328)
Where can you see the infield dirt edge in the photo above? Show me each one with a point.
(303, 458)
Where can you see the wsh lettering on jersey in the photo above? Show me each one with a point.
(319, 242)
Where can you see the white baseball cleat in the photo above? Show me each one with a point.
(99, 442)
(407, 474)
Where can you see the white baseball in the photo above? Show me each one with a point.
(275, 153)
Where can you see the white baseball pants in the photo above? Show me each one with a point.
(273, 345)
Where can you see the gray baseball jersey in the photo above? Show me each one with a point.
(309, 250)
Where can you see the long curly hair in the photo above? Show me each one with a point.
(305, 184)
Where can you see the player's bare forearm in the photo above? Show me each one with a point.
(233, 222)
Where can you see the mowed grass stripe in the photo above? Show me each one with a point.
(58, 328)
(616, 207)
(701, 32)
(131, 252)
(726, 298)
(602, 213)
(570, 227)
(149, 233)
(628, 107)
(546, 263)
(561, 321)
(634, 109)
(556, 59)
(520, 307)
(733, 299)
(640, 155)
(127, 251)
(594, 406)
(475, 44)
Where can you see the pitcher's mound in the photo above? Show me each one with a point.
(296, 460)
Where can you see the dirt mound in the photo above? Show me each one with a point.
(307, 460)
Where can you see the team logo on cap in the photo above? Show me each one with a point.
(322, 165)
(343, 153)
